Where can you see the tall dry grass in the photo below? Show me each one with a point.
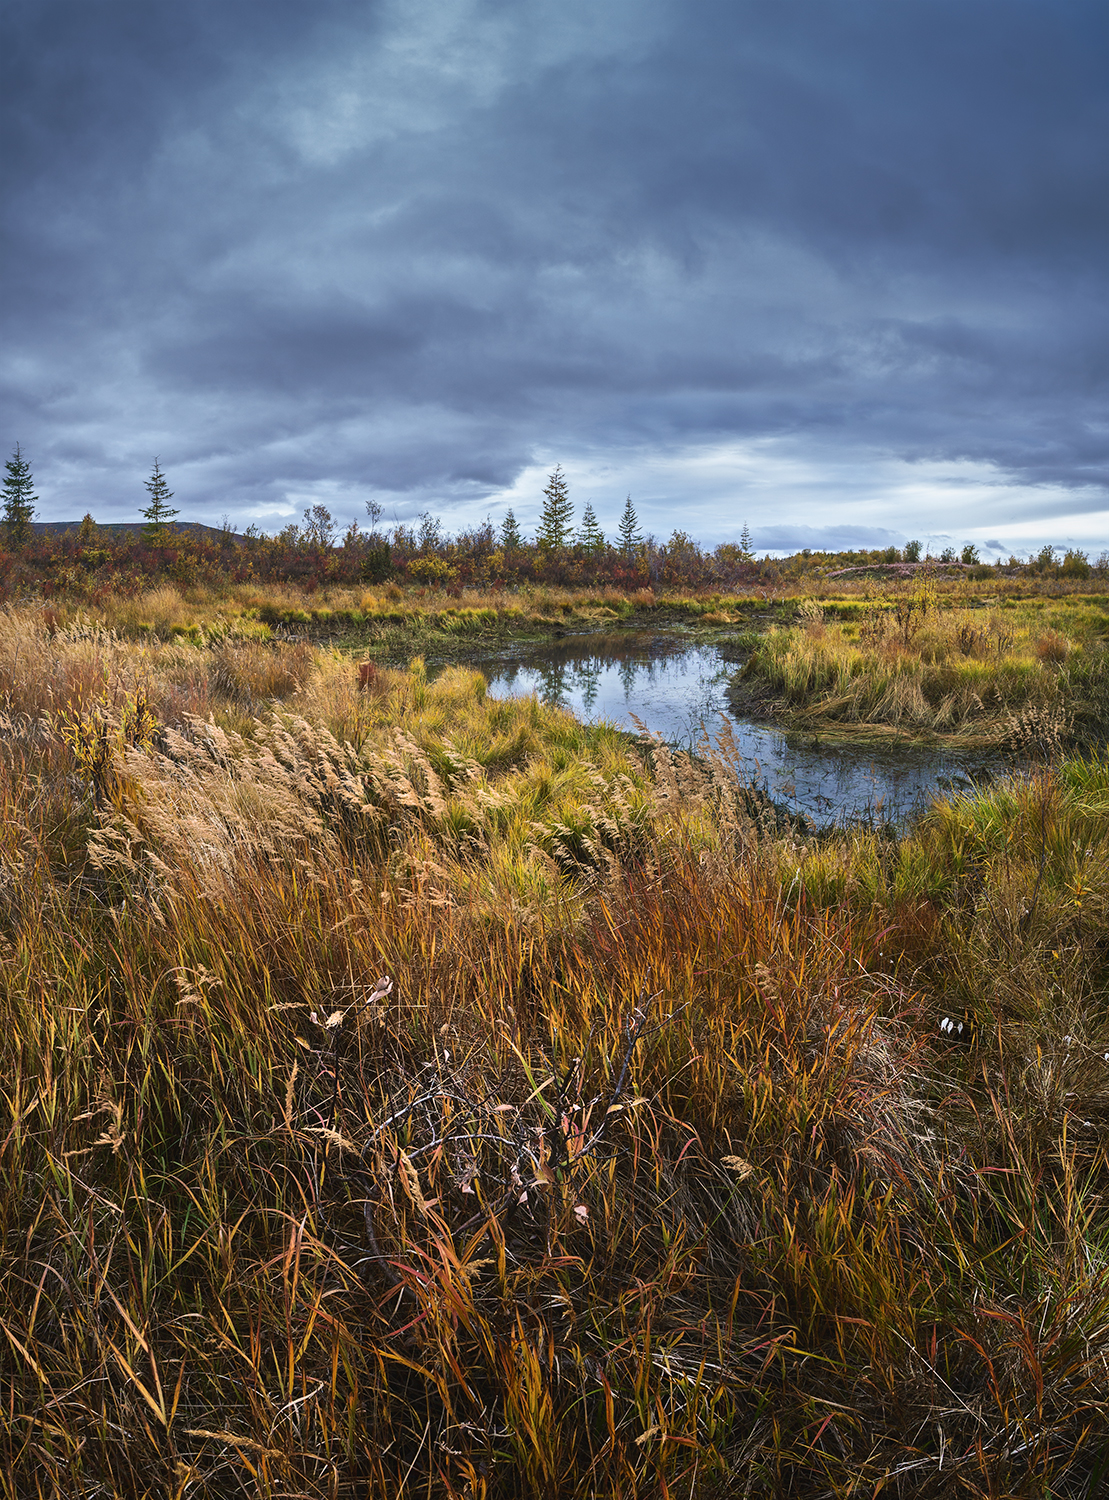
(407, 1093)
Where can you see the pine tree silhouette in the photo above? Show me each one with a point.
(19, 499)
(628, 531)
(554, 523)
(159, 512)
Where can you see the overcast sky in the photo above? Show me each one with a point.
(837, 268)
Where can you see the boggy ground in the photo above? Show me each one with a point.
(392, 622)
(412, 1094)
(971, 662)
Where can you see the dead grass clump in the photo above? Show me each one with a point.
(249, 673)
(162, 610)
(1039, 732)
(1053, 648)
(44, 669)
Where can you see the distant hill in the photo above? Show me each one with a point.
(122, 529)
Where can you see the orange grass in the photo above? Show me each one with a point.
(646, 1176)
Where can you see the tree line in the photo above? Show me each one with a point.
(313, 552)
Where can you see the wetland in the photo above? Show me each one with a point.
(683, 690)
(414, 1083)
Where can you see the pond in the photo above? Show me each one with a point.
(673, 687)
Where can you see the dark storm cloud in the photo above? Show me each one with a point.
(416, 248)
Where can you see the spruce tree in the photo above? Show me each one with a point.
(590, 537)
(19, 499)
(159, 512)
(628, 531)
(554, 523)
(510, 532)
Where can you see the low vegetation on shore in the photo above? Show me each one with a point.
(91, 563)
(409, 1093)
(1003, 673)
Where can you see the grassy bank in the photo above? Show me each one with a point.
(1002, 673)
(412, 1094)
(391, 621)
(404, 614)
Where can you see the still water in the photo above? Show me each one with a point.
(678, 689)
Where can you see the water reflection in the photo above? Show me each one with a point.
(678, 689)
(667, 683)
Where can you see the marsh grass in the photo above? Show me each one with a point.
(927, 666)
(407, 1093)
(381, 616)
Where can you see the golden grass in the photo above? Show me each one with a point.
(201, 614)
(922, 666)
(646, 1174)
